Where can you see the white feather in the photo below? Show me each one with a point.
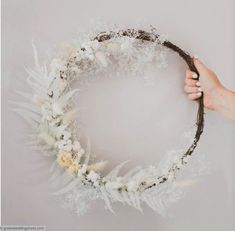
(25, 95)
(131, 172)
(69, 116)
(28, 106)
(30, 117)
(97, 166)
(105, 197)
(45, 137)
(35, 54)
(88, 152)
(113, 174)
(68, 187)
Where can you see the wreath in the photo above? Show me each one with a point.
(52, 114)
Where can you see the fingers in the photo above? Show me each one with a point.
(192, 86)
(190, 74)
(190, 79)
(189, 89)
(191, 82)
(194, 96)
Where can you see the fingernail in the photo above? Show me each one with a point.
(199, 94)
(194, 75)
(198, 84)
(199, 89)
(195, 56)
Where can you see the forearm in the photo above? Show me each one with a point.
(225, 103)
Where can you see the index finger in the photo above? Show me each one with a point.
(191, 74)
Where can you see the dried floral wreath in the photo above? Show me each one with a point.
(53, 117)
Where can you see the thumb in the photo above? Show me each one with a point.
(201, 67)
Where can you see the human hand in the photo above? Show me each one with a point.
(208, 83)
(216, 96)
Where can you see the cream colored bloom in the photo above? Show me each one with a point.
(65, 159)
(73, 168)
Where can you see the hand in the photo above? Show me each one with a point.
(216, 96)
(208, 83)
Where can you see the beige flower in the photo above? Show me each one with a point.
(73, 168)
(65, 159)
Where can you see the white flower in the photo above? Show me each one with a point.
(61, 133)
(58, 131)
(113, 47)
(57, 109)
(87, 54)
(176, 159)
(48, 117)
(127, 43)
(101, 58)
(171, 176)
(186, 159)
(66, 135)
(150, 180)
(53, 122)
(113, 185)
(81, 151)
(179, 164)
(58, 64)
(76, 145)
(93, 176)
(82, 170)
(64, 138)
(62, 83)
(65, 145)
(89, 48)
(162, 38)
(60, 144)
(132, 185)
(96, 183)
(90, 56)
(91, 45)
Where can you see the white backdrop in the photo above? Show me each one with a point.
(126, 119)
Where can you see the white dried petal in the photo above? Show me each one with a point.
(132, 185)
(66, 135)
(38, 100)
(67, 147)
(57, 109)
(93, 176)
(113, 185)
(101, 58)
(46, 138)
(76, 145)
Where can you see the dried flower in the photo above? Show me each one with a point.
(38, 100)
(64, 159)
(73, 168)
(46, 138)
(113, 185)
(76, 145)
(93, 176)
(132, 185)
